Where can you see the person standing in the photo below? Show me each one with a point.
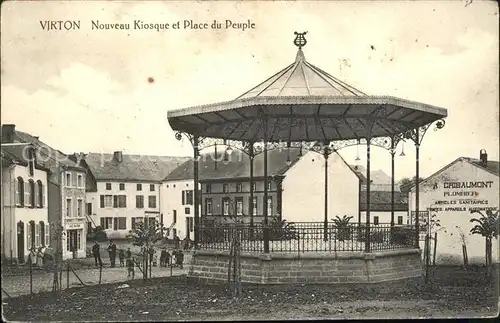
(96, 251)
(112, 253)
(121, 256)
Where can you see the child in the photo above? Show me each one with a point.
(121, 255)
(130, 267)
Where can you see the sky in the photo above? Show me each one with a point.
(89, 90)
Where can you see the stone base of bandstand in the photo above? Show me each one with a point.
(211, 267)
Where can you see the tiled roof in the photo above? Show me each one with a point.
(376, 176)
(491, 165)
(237, 166)
(132, 167)
(381, 201)
(16, 155)
(47, 156)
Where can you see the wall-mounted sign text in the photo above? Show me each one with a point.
(481, 184)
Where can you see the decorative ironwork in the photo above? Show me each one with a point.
(417, 134)
(300, 41)
(306, 237)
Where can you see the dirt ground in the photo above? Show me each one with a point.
(453, 292)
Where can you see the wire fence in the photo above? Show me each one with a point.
(38, 274)
(308, 237)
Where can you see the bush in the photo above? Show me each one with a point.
(377, 236)
(281, 230)
(97, 234)
(402, 236)
(344, 229)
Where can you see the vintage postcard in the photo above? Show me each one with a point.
(249, 160)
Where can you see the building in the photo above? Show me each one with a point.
(177, 199)
(65, 192)
(451, 193)
(25, 222)
(225, 188)
(126, 190)
(381, 199)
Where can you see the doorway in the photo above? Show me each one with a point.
(20, 242)
(72, 244)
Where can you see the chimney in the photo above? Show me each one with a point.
(483, 157)
(8, 133)
(117, 155)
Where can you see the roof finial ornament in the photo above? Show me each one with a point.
(300, 41)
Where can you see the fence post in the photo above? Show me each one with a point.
(100, 274)
(31, 274)
(67, 276)
(435, 247)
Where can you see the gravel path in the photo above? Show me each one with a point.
(43, 280)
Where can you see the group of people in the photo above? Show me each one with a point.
(166, 259)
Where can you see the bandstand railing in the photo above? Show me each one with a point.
(301, 237)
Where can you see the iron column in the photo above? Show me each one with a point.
(393, 152)
(325, 224)
(266, 229)
(196, 200)
(367, 234)
(417, 189)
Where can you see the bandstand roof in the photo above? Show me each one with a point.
(304, 103)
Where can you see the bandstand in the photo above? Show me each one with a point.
(303, 107)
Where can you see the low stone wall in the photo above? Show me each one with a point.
(310, 267)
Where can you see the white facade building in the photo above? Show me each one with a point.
(127, 189)
(450, 194)
(25, 224)
(304, 189)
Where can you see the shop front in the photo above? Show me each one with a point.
(447, 199)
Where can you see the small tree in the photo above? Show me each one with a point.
(406, 183)
(97, 234)
(143, 236)
(343, 226)
(487, 226)
(56, 234)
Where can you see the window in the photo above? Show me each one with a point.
(79, 208)
(208, 206)
(89, 208)
(79, 239)
(187, 197)
(225, 206)
(40, 194)
(31, 234)
(139, 187)
(269, 206)
(122, 186)
(79, 181)
(175, 216)
(400, 220)
(269, 185)
(68, 179)
(139, 201)
(375, 220)
(108, 186)
(152, 201)
(119, 201)
(254, 187)
(239, 206)
(20, 191)
(136, 220)
(106, 223)
(190, 224)
(42, 233)
(225, 188)
(152, 187)
(254, 206)
(208, 188)
(68, 208)
(106, 201)
(239, 187)
(37, 234)
(30, 194)
(187, 211)
(120, 223)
